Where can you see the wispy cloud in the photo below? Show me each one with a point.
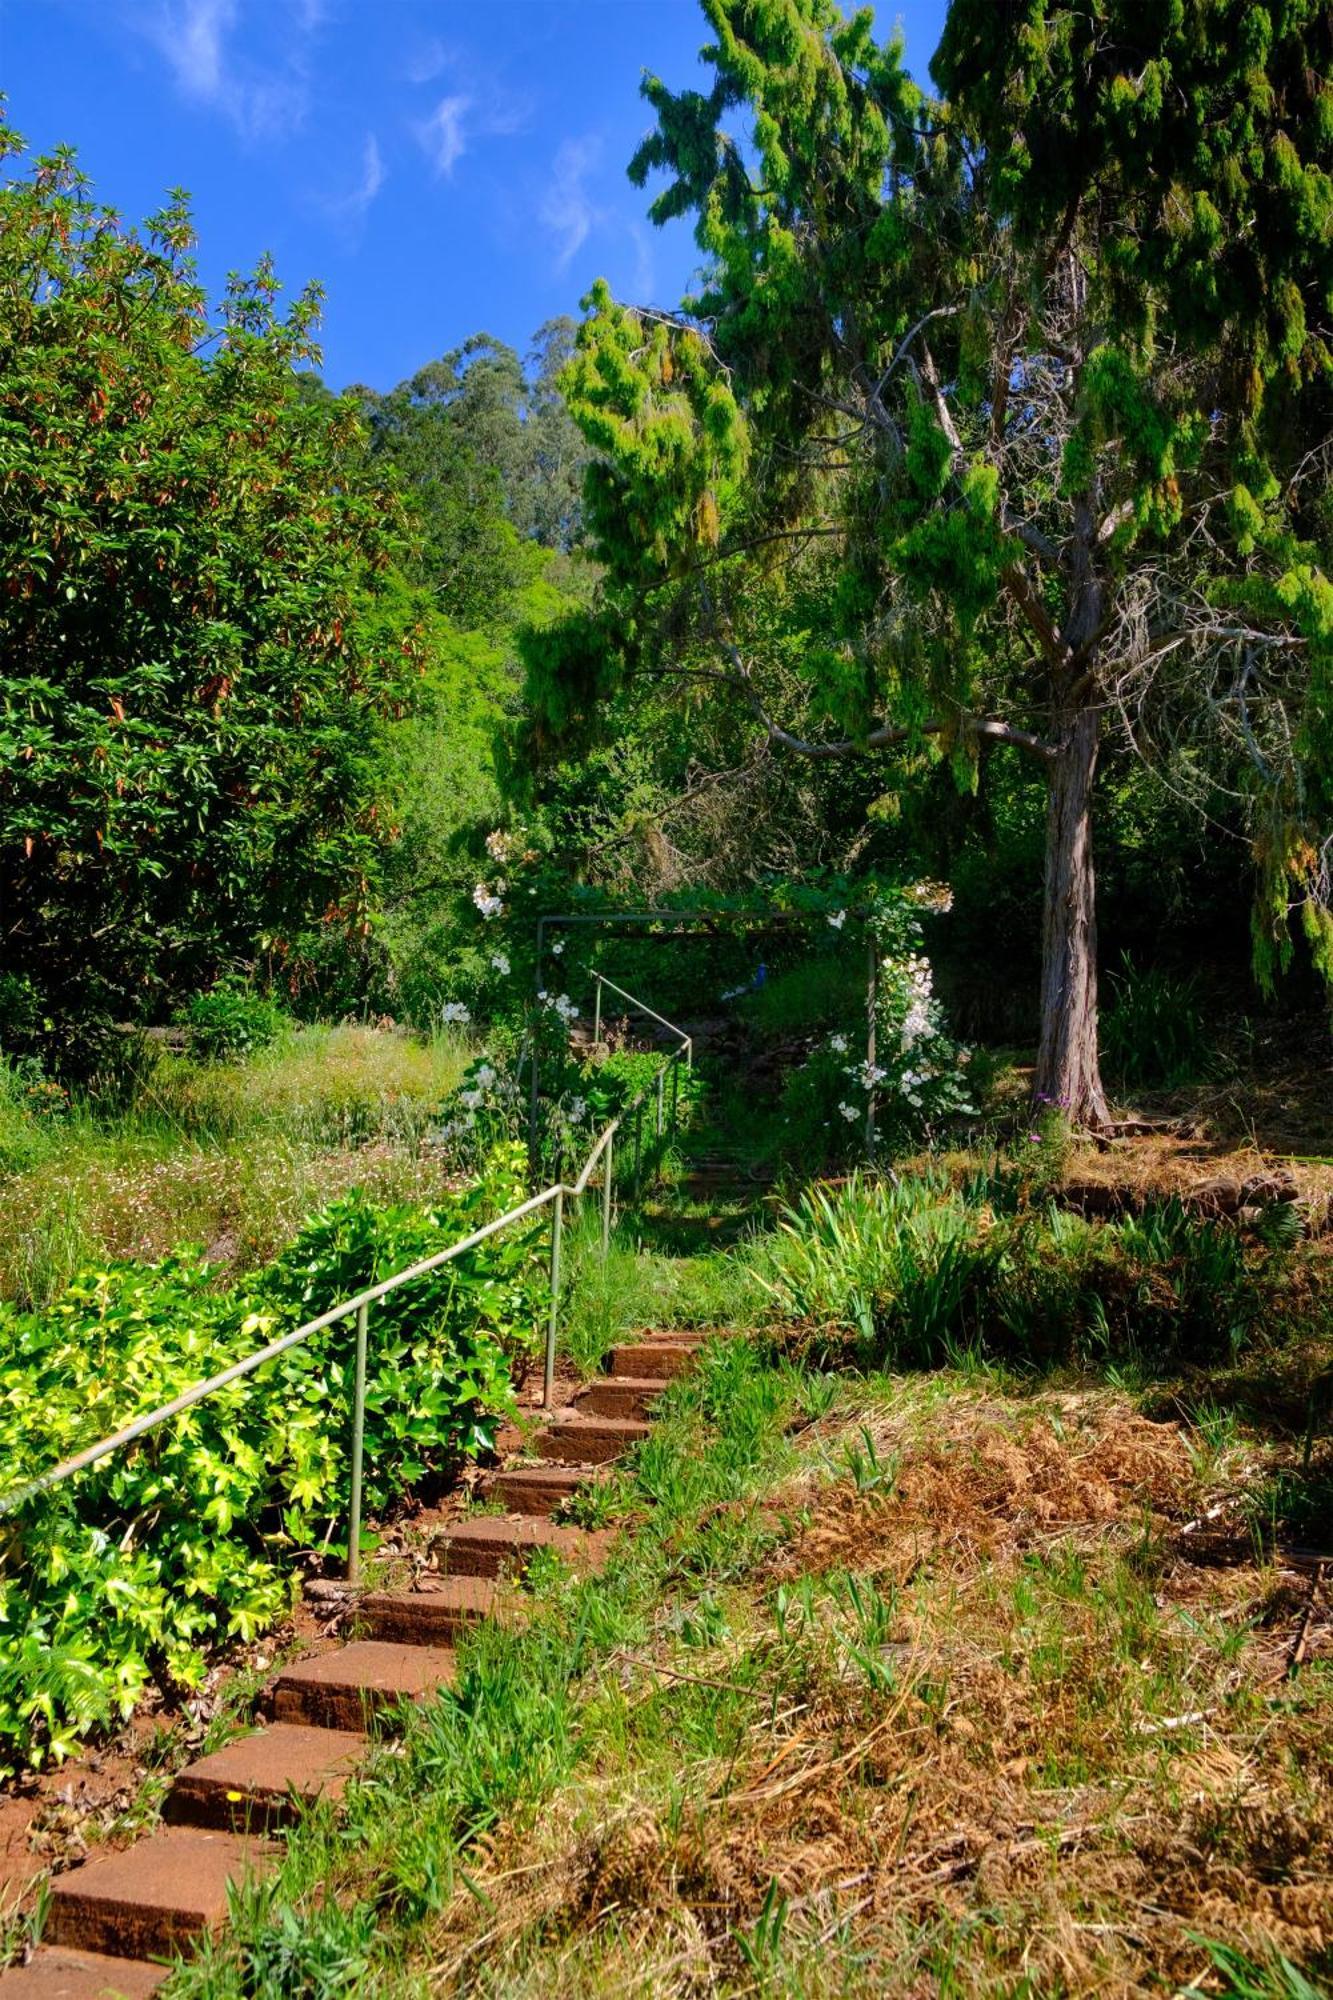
(462, 118)
(444, 135)
(427, 61)
(567, 208)
(191, 38)
(373, 176)
(194, 39)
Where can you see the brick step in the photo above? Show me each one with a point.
(346, 1689)
(620, 1395)
(442, 1608)
(498, 1545)
(591, 1440)
(146, 1901)
(662, 1360)
(535, 1489)
(267, 1780)
(54, 1974)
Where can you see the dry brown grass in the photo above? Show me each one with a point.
(1035, 1741)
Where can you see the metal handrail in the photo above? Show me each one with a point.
(361, 1303)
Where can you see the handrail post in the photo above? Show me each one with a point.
(661, 1083)
(638, 1149)
(675, 1095)
(557, 1230)
(358, 1448)
(597, 1010)
(606, 1196)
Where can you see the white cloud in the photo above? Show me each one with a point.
(567, 208)
(426, 62)
(444, 134)
(373, 175)
(192, 36)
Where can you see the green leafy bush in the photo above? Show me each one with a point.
(915, 1272)
(1153, 1029)
(127, 1573)
(231, 1021)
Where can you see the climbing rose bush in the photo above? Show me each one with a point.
(920, 1074)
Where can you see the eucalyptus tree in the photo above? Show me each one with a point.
(999, 417)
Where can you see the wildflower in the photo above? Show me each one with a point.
(577, 1111)
(838, 1044)
(849, 1112)
(485, 1077)
(837, 919)
(500, 964)
(469, 1099)
(489, 905)
(497, 845)
(557, 947)
(454, 1014)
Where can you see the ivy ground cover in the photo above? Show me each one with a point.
(130, 1572)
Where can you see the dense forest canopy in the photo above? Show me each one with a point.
(975, 502)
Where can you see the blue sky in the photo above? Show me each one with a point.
(440, 166)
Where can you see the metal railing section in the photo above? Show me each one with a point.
(553, 1196)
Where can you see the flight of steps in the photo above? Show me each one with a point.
(112, 1917)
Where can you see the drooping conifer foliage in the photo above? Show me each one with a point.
(201, 620)
(1004, 414)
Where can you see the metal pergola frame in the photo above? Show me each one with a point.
(768, 919)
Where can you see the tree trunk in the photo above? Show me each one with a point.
(1068, 1069)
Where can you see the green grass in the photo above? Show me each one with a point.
(637, 1290)
(530, 1709)
(233, 1156)
(847, 1713)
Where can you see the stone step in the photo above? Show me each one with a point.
(591, 1440)
(620, 1395)
(499, 1545)
(346, 1689)
(663, 1360)
(267, 1780)
(535, 1489)
(54, 1974)
(146, 1901)
(437, 1612)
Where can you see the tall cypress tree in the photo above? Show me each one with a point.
(1014, 401)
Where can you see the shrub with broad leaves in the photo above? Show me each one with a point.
(130, 1572)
